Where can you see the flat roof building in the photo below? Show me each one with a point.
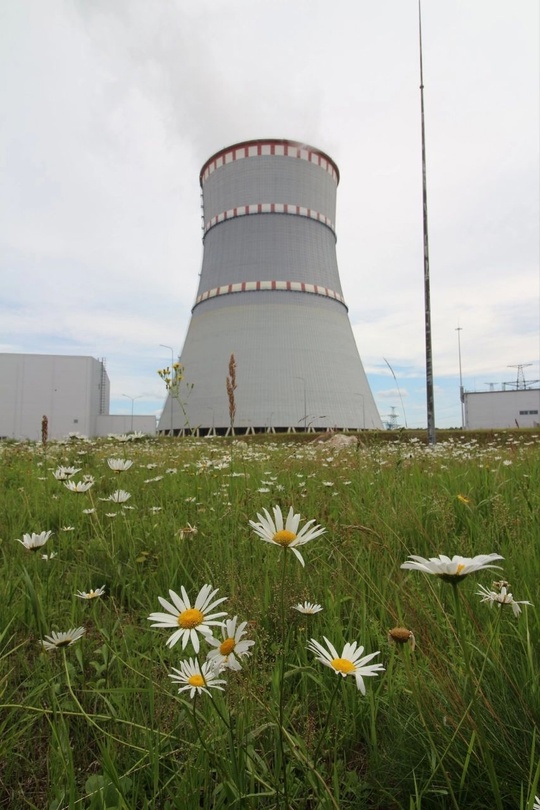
(502, 409)
(73, 392)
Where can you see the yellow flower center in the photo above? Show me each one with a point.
(190, 618)
(196, 680)
(460, 568)
(343, 665)
(284, 537)
(227, 647)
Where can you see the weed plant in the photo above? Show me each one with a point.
(451, 722)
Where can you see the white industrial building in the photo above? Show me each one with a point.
(73, 392)
(502, 409)
(270, 295)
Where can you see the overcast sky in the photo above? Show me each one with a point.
(109, 108)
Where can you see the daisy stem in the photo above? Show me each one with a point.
(323, 732)
(491, 643)
(471, 694)
(232, 743)
(198, 730)
(460, 633)
(282, 682)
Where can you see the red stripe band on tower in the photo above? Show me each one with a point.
(269, 148)
(272, 285)
(268, 208)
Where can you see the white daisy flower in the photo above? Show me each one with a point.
(119, 465)
(536, 805)
(79, 486)
(287, 536)
(189, 620)
(226, 652)
(120, 496)
(50, 556)
(63, 473)
(56, 640)
(67, 528)
(307, 607)
(451, 570)
(33, 541)
(91, 593)
(88, 511)
(350, 662)
(197, 678)
(502, 597)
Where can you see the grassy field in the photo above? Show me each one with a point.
(451, 721)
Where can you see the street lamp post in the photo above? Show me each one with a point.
(305, 401)
(461, 393)
(213, 431)
(132, 405)
(172, 372)
(363, 411)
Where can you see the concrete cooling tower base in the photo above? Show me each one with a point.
(312, 377)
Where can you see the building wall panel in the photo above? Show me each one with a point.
(502, 409)
(66, 389)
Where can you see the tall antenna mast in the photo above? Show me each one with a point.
(427, 302)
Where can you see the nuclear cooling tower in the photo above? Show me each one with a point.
(270, 295)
